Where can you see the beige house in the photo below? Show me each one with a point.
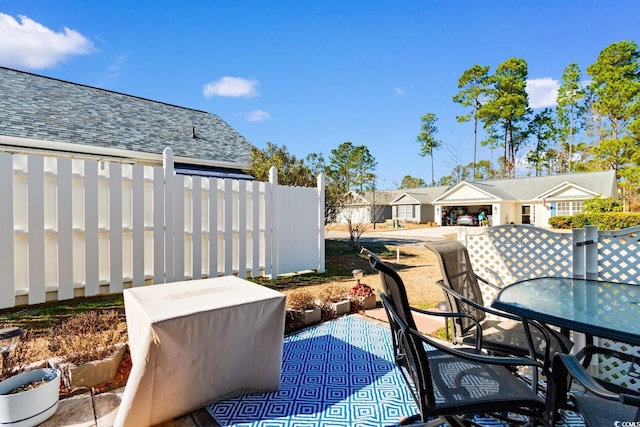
(531, 200)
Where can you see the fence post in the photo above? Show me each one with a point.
(585, 266)
(115, 227)
(167, 164)
(275, 206)
(320, 234)
(591, 252)
(7, 239)
(578, 253)
(36, 230)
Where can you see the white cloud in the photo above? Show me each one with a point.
(542, 92)
(258, 116)
(232, 87)
(32, 45)
(399, 91)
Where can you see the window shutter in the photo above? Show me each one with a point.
(553, 209)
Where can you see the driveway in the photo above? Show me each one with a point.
(415, 236)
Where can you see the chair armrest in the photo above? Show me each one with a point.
(575, 369)
(543, 330)
(496, 276)
(478, 328)
(497, 288)
(629, 399)
(475, 304)
(477, 356)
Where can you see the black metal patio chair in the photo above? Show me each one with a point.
(452, 384)
(504, 335)
(599, 406)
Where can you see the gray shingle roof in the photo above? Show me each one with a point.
(37, 107)
(423, 195)
(524, 189)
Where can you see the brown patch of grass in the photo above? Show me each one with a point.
(87, 336)
(418, 269)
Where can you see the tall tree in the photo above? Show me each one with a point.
(543, 128)
(291, 170)
(506, 108)
(296, 172)
(409, 181)
(427, 139)
(615, 86)
(365, 178)
(571, 94)
(473, 86)
(351, 167)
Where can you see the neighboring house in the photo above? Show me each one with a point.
(53, 117)
(531, 200)
(366, 207)
(415, 205)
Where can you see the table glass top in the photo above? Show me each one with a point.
(608, 305)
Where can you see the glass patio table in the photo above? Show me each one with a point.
(604, 309)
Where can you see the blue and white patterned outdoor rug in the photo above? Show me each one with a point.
(337, 374)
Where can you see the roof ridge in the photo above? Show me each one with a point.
(106, 90)
(568, 174)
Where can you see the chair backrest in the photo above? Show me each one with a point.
(409, 351)
(458, 275)
(392, 287)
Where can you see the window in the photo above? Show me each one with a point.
(405, 211)
(568, 208)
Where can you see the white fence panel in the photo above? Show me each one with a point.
(619, 261)
(74, 228)
(297, 222)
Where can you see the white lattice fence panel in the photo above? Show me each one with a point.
(619, 255)
(509, 253)
(619, 261)
(618, 372)
(487, 264)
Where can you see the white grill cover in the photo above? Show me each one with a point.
(192, 342)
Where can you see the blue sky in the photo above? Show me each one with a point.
(310, 75)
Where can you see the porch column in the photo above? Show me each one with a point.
(438, 215)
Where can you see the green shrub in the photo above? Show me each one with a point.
(602, 204)
(604, 220)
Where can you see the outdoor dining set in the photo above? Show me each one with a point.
(526, 358)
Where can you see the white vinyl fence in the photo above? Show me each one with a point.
(508, 253)
(71, 228)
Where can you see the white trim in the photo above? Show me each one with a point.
(408, 196)
(67, 149)
(442, 199)
(564, 185)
